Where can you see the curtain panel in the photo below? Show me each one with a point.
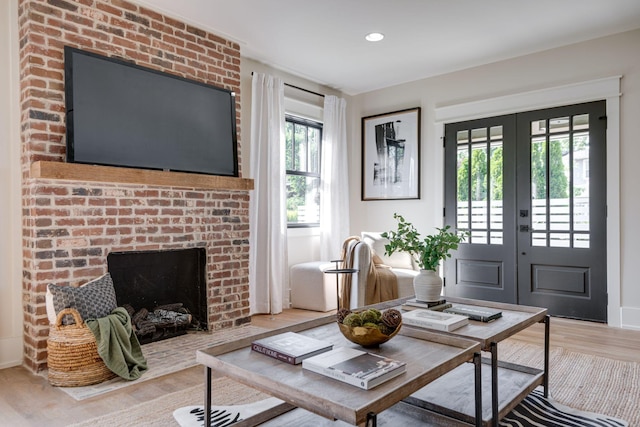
(268, 276)
(334, 201)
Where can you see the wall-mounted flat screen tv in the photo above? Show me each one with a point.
(122, 114)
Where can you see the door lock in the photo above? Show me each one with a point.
(524, 228)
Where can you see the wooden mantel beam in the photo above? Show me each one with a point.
(110, 174)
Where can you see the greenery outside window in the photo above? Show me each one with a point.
(303, 142)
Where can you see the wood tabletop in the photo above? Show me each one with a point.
(515, 318)
(428, 356)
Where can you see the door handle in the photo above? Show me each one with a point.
(524, 228)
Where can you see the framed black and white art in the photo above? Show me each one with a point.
(391, 155)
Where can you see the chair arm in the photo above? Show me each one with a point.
(362, 262)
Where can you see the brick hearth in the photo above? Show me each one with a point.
(70, 225)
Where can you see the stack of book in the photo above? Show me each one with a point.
(352, 366)
(290, 347)
(482, 314)
(413, 304)
(434, 320)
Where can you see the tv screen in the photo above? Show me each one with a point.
(121, 114)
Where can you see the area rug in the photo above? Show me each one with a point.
(165, 357)
(574, 377)
(159, 412)
(222, 416)
(535, 411)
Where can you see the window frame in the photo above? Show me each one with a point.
(298, 120)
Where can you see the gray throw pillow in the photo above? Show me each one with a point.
(93, 300)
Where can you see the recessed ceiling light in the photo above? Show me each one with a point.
(374, 37)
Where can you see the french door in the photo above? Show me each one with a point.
(531, 190)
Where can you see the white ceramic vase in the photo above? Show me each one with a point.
(428, 285)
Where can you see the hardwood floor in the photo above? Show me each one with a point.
(29, 400)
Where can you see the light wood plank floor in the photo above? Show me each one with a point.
(28, 400)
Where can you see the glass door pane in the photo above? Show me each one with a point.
(559, 182)
(480, 184)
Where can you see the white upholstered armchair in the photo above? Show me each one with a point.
(400, 264)
(312, 289)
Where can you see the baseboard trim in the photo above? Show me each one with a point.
(630, 318)
(10, 352)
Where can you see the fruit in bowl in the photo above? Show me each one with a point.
(369, 327)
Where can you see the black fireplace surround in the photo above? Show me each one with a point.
(147, 280)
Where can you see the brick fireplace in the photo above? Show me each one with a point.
(75, 215)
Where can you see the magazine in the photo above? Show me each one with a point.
(355, 367)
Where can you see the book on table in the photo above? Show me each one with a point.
(290, 347)
(424, 304)
(356, 367)
(413, 305)
(425, 318)
(483, 314)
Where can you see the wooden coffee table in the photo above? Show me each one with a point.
(515, 381)
(428, 356)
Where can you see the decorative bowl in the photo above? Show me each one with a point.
(366, 336)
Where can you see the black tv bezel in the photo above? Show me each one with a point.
(69, 51)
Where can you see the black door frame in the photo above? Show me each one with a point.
(573, 290)
(484, 271)
(607, 88)
(569, 281)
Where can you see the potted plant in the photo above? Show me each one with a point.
(427, 252)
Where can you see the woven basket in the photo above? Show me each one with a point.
(73, 358)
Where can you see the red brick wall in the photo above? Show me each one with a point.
(69, 227)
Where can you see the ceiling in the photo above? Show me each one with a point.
(323, 41)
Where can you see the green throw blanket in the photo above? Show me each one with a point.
(118, 345)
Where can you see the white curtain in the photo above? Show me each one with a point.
(334, 203)
(267, 214)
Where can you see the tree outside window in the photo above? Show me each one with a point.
(303, 147)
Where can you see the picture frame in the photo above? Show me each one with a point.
(391, 155)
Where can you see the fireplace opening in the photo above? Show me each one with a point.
(164, 291)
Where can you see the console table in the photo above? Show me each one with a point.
(428, 356)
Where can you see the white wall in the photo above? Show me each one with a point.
(617, 55)
(10, 243)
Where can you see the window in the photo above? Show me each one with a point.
(303, 140)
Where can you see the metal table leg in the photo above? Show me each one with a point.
(207, 396)
(494, 383)
(477, 361)
(545, 384)
(372, 420)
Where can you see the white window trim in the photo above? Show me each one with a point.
(309, 111)
(303, 109)
(606, 88)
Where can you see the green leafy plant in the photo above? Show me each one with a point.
(427, 251)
